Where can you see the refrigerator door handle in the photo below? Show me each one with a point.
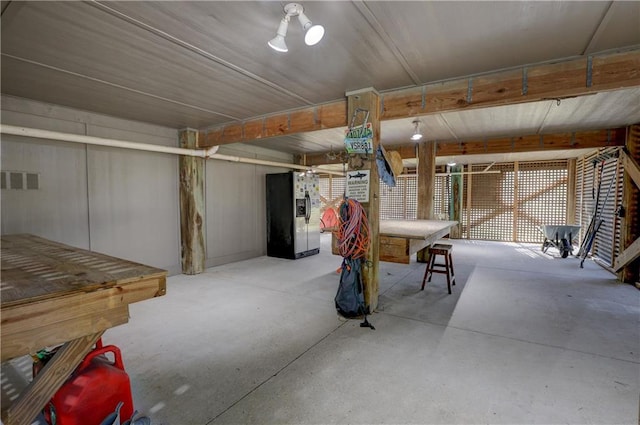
(307, 213)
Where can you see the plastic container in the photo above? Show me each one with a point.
(93, 391)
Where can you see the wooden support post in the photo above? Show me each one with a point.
(455, 203)
(369, 100)
(630, 225)
(516, 200)
(426, 187)
(582, 197)
(192, 214)
(571, 191)
(469, 200)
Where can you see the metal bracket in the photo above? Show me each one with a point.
(355, 114)
(525, 81)
(589, 70)
(424, 100)
(469, 90)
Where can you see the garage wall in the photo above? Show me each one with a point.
(236, 204)
(118, 202)
(125, 203)
(59, 209)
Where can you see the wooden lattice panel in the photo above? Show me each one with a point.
(606, 245)
(491, 210)
(399, 202)
(541, 198)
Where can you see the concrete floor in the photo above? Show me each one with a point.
(524, 338)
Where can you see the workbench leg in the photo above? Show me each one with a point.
(422, 256)
(38, 393)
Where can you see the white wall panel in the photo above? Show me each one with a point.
(58, 210)
(120, 202)
(133, 200)
(235, 205)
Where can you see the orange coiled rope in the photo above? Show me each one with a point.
(353, 231)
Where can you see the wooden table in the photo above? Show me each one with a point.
(57, 294)
(399, 239)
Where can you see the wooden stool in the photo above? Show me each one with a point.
(444, 250)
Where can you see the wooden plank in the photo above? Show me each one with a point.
(616, 71)
(455, 210)
(630, 225)
(46, 383)
(627, 256)
(277, 125)
(409, 101)
(631, 168)
(21, 318)
(494, 88)
(571, 191)
(300, 121)
(230, 133)
(192, 213)
(333, 115)
(544, 81)
(557, 80)
(34, 269)
(516, 203)
(31, 340)
(534, 142)
(253, 129)
(527, 143)
(415, 229)
(328, 115)
(394, 250)
(469, 199)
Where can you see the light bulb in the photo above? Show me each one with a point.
(314, 35)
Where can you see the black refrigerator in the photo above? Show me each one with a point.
(293, 214)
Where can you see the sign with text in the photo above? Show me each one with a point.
(359, 139)
(358, 185)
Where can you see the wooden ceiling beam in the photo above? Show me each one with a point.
(568, 78)
(530, 143)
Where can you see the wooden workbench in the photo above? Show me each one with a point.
(54, 294)
(399, 239)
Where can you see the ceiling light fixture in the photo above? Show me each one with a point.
(416, 132)
(313, 33)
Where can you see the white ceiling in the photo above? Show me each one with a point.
(201, 64)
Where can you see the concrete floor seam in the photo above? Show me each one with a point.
(508, 337)
(276, 373)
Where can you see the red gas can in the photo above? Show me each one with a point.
(93, 391)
